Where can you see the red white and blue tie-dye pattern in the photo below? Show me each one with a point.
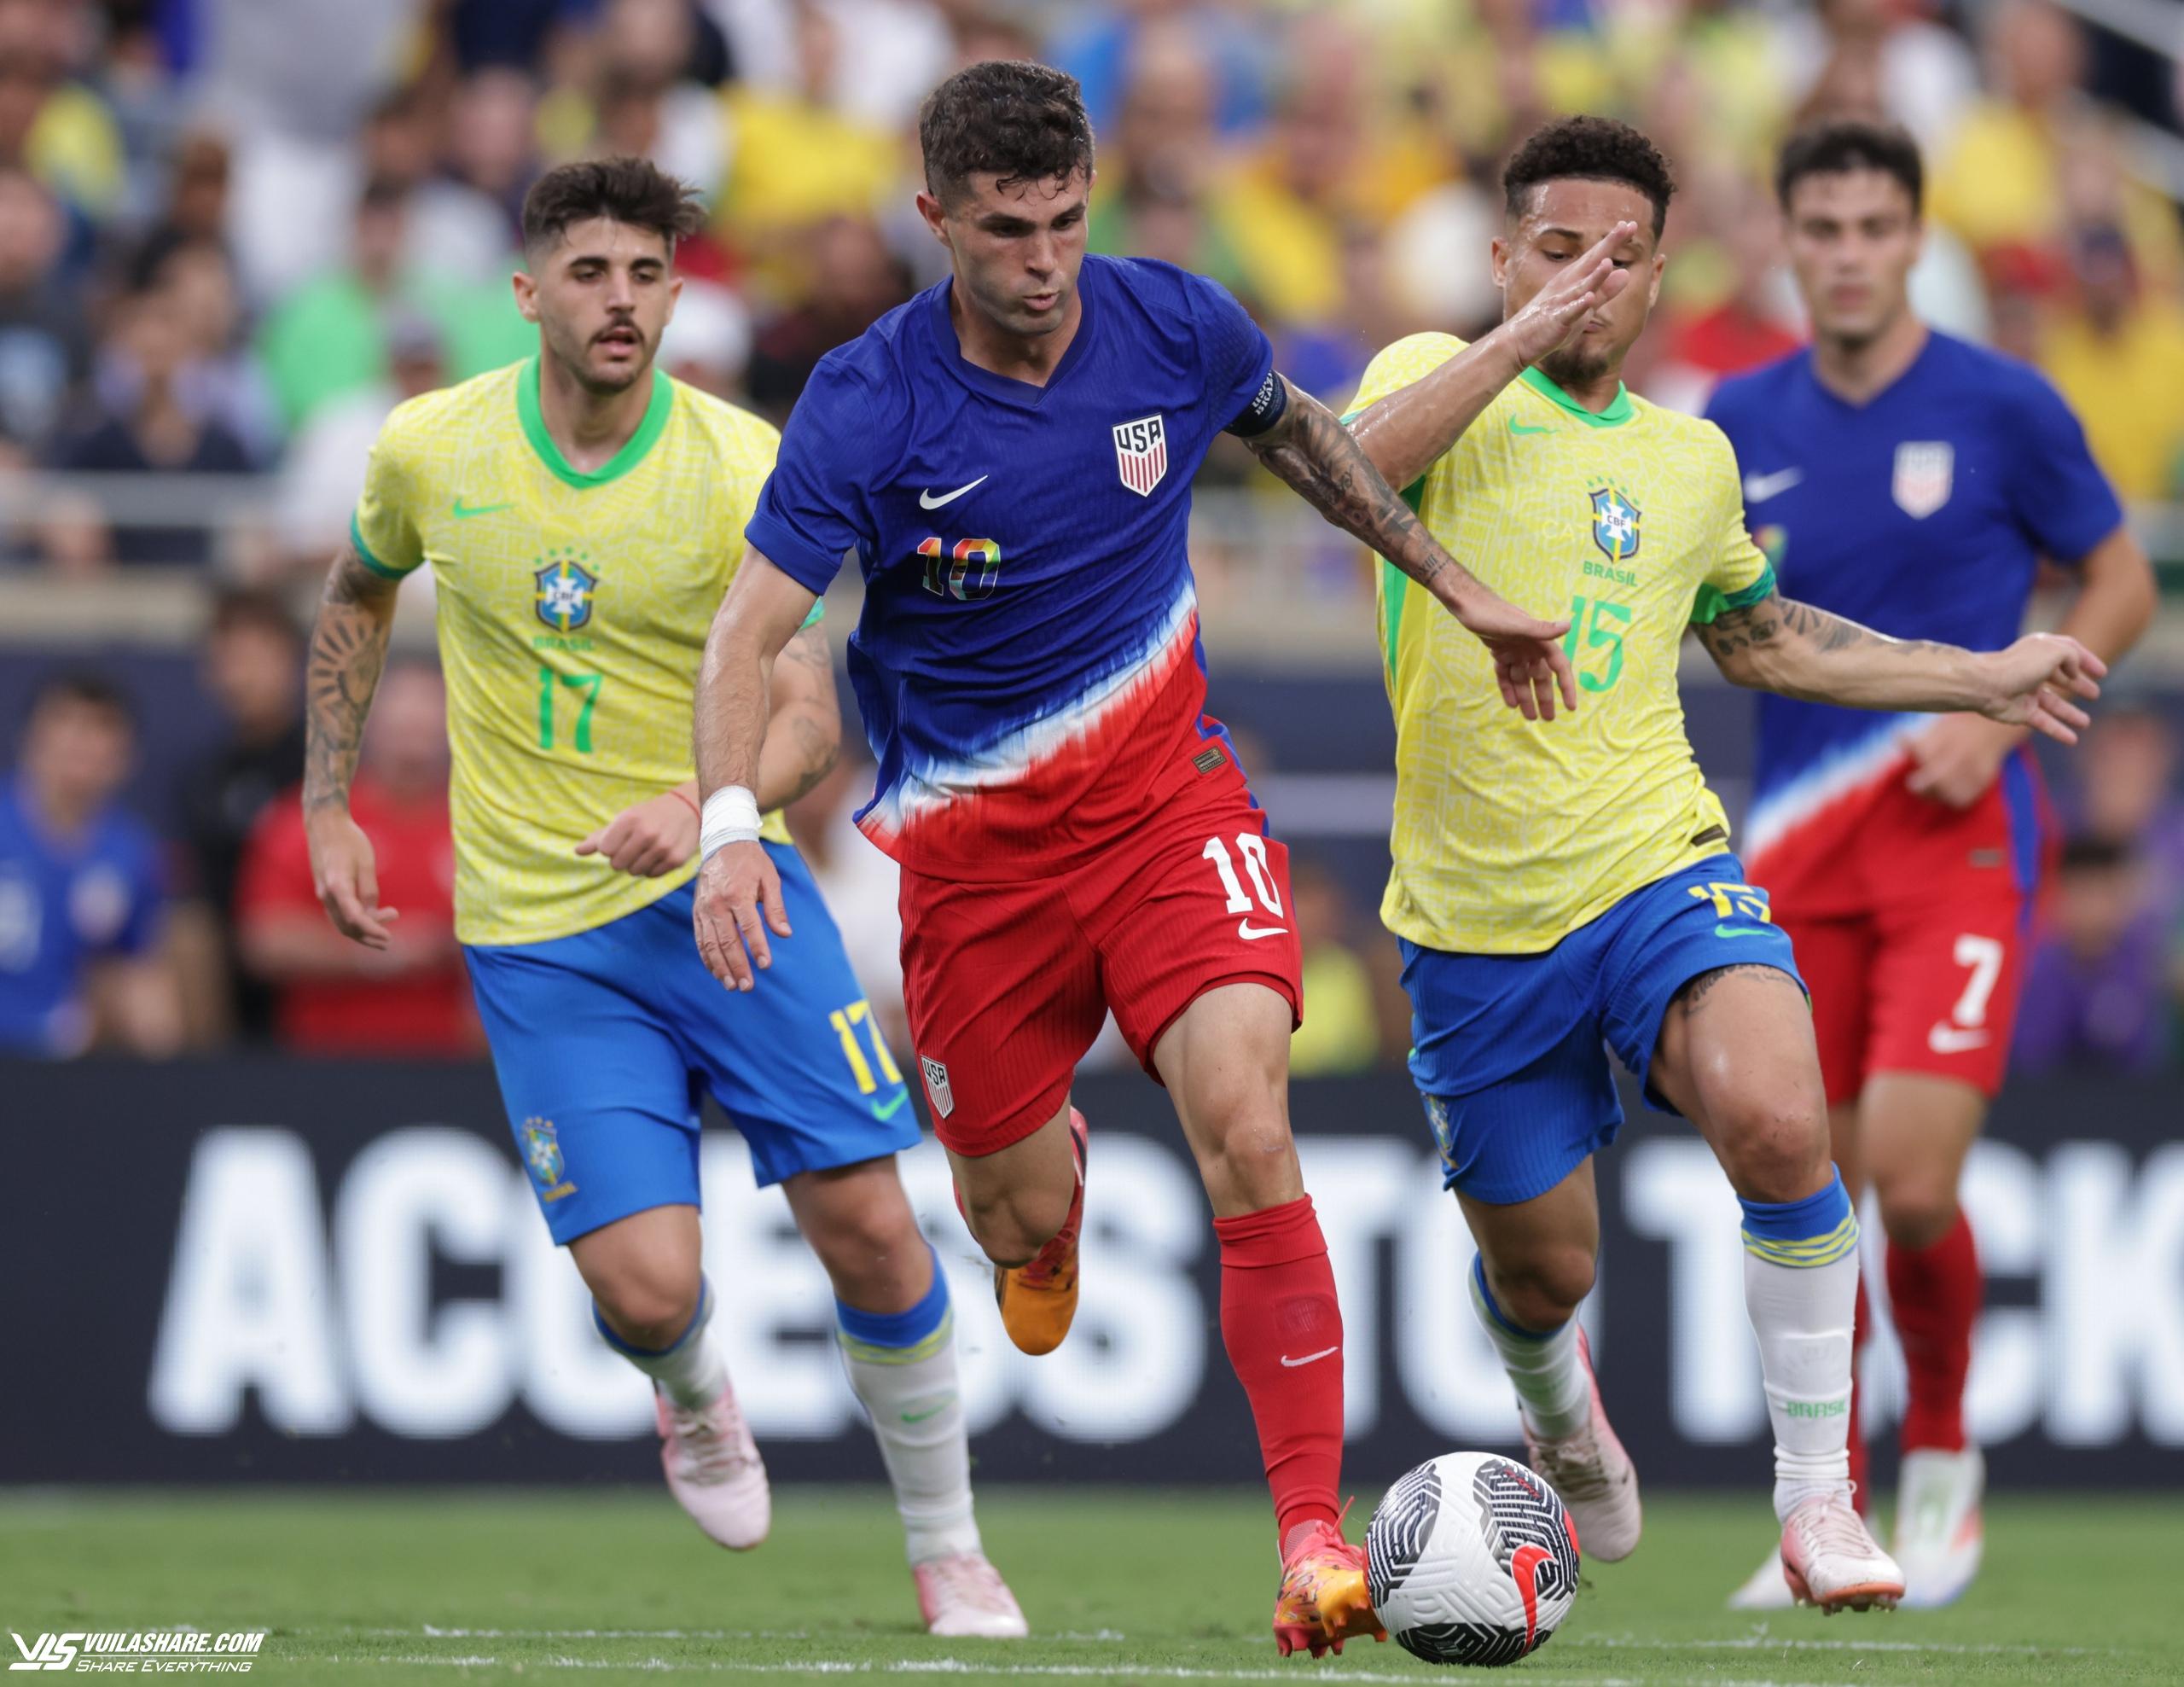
(1027, 660)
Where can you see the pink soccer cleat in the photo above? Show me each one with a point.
(1597, 1482)
(1830, 1560)
(963, 1596)
(713, 1469)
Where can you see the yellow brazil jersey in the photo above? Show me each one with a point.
(572, 608)
(1510, 835)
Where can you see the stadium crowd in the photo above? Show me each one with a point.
(230, 244)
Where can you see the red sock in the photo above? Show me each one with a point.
(1278, 1308)
(1937, 1292)
(1860, 1329)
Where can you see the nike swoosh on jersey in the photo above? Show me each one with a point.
(927, 501)
(463, 511)
(1758, 488)
(1309, 1358)
(1953, 1039)
(1248, 932)
(884, 1113)
(1517, 427)
(1740, 931)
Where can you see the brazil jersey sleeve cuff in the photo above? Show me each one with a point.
(365, 557)
(787, 550)
(1713, 602)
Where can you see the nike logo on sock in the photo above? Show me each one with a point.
(1292, 1365)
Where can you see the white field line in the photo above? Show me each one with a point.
(1067, 1671)
(1748, 1643)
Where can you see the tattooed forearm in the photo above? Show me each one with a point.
(804, 730)
(1313, 452)
(348, 649)
(1778, 644)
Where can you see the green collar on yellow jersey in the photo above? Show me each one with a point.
(1614, 415)
(630, 455)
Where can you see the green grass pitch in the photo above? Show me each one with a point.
(1153, 1587)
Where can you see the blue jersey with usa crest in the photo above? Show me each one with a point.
(1924, 513)
(1027, 664)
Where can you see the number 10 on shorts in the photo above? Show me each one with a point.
(1252, 847)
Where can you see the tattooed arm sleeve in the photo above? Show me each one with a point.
(347, 652)
(1779, 644)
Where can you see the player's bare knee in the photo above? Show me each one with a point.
(1012, 1225)
(1774, 1148)
(1545, 1290)
(1917, 1210)
(644, 1308)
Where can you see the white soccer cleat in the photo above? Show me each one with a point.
(963, 1596)
(1831, 1559)
(1766, 1589)
(1939, 1536)
(1597, 1482)
(713, 1469)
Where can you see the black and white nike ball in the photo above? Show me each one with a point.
(1471, 1559)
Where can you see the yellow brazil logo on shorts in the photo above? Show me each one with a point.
(564, 596)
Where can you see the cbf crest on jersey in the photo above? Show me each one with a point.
(1142, 452)
(1615, 524)
(563, 599)
(1925, 473)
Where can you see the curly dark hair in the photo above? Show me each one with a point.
(632, 191)
(1025, 122)
(1593, 149)
(1845, 144)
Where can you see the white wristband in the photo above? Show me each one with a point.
(730, 815)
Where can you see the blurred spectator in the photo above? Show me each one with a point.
(80, 919)
(328, 338)
(2128, 794)
(145, 424)
(889, 53)
(1342, 1030)
(323, 474)
(44, 342)
(795, 161)
(861, 887)
(855, 280)
(707, 343)
(51, 124)
(1885, 58)
(465, 222)
(331, 994)
(647, 105)
(2118, 356)
(1752, 325)
(221, 377)
(2095, 995)
(253, 668)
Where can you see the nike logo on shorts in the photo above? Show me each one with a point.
(1249, 932)
(1740, 931)
(884, 1113)
(927, 501)
(1309, 1358)
(1955, 1040)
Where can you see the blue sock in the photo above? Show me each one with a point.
(1553, 1390)
(689, 1370)
(1801, 1289)
(897, 1338)
(1801, 1234)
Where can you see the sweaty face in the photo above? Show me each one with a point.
(1854, 237)
(1017, 252)
(1562, 221)
(602, 298)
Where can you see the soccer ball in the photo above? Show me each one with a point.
(1471, 1559)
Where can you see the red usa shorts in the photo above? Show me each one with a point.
(1913, 922)
(1007, 984)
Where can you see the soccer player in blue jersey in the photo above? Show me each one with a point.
(1906, 479)
(1009, 458)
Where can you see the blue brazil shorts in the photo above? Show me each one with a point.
(605, 1040)
(1511, 1052)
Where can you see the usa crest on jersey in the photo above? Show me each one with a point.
(1141, 453)
(1925, 473)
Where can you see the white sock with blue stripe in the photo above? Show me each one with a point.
(903, 1368)
(690, 1372)
(1553, 1391)
(1801, 1288)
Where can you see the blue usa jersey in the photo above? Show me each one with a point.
(1922, 513)
(65, 903)
(1027, 664)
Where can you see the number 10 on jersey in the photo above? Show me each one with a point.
(969, 571)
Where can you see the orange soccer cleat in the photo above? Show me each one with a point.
(1037, 1301)
(1323, 1600)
